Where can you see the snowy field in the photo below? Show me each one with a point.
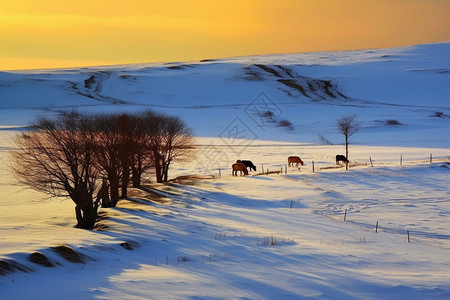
(299, 234)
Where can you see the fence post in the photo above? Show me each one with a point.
(345, 215)
(220, 174)
(313, 166)
(401, 158)
(407, 231)
(431, 158)
(371, 163)
(285, 169)
(376, 228)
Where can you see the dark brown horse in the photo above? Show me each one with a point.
(239, 167)
(294, 160)
(340, 158)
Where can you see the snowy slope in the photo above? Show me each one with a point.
(277, 236)
(309, 90)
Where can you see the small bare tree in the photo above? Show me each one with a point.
(57, 158)
(348, 127)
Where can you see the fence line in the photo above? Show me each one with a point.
(317, 166)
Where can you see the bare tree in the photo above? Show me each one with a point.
(107, 141)
(57, 158)
(169, 140)
(66, 156)
(116, 144)
(348, 127)
(141, 158)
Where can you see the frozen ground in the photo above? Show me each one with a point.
(263, 236)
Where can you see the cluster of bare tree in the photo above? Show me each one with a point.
(92, 158)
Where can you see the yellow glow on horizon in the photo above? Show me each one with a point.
(78, 33)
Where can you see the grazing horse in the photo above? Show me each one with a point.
(239, 167)
(340, 158)
(249, 164)
(294, 160)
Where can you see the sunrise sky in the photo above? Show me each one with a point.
(56, 33)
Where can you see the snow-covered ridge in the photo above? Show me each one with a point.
(260, 236)
(408, 84)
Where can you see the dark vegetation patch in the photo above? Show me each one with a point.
(269, 70)
(88, 83)
(175, 68)
(126, 245)
(287, 71)
(389, 122)
(309, 87)
(293, 84)
(439, 114)
(68, 254)
(286, 124)
(130, 245)
(180, 67)
(392, 123)
(40, 259)
(252, 75)
(8, 266)
(267, 114)
(126, 76)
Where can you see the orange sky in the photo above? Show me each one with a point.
(57, 33)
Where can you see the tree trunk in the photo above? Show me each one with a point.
(136, 173)
(158, 169)
(136, 179)
(86, 216)
(346, 152)
(166, 172)
(114, 194)
(103, 195)
(125, 180)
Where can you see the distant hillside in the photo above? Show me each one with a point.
(396, 94)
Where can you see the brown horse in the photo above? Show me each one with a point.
(239, 167)
(294, 160)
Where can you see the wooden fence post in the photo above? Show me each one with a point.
(313, 166)
(431, 158)
(345, 216)
(401, 158)
(376, 228)
(371, 163)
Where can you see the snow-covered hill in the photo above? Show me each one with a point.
(378, 232)
(397, 94)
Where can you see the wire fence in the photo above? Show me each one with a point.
(318, 166)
